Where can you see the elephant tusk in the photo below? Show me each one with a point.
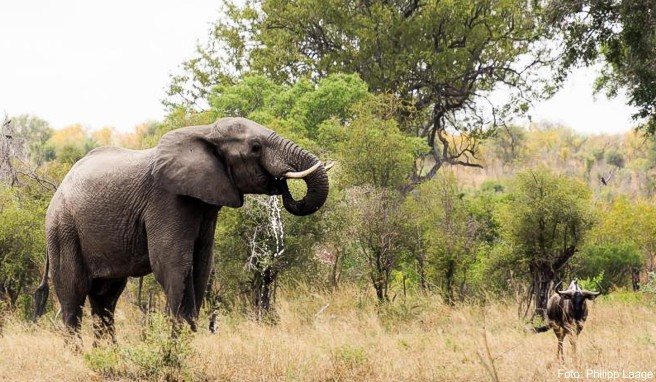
(301, 174)
(328, 166)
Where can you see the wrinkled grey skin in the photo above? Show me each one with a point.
(125, 213)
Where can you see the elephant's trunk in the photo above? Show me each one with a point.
(289, 158)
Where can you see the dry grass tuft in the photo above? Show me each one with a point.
(345, 336)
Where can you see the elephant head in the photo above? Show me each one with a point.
(219, 163)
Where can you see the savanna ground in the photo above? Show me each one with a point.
(342, 336)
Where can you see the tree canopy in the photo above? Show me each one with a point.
(620, 33)
(545, 222)
(440, 58)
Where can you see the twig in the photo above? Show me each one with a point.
(489, 367)
(321, 311)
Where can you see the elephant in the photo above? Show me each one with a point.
(122, 213)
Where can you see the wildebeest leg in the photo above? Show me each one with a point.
(573, 339)
(103, 297)
(560, 334)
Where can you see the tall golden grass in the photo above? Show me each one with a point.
(345, 336)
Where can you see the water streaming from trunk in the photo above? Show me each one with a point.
(277, 225)
(266, 253)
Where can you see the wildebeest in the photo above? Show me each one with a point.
(567, 311)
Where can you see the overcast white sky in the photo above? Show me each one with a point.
(108, 64)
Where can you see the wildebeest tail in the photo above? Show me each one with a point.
(41, 293)
(541, 329)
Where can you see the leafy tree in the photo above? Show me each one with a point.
(252, 253)
(244, 98)
(105, 136)
(338, 227)
(449, 232)
(300, 112)
(33, 133)
(625, 228)
(623, 34)
(508, 144)
(374, 150)
(545, 222)
(379, 233)
(375, 160)
(440, 59)
(616, 262)
(22, 244)
(17, 168)
(615, 158)
(71, 143)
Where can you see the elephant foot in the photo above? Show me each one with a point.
(73, 341)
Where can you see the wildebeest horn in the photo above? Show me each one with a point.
(568, 293)
(589, 294)
(557, 285)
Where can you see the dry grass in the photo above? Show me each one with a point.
(349, 339)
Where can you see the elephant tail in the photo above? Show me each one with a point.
(41, 293)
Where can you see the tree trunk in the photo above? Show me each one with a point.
(379, 274)
(380, 293)
(635, 278)
(448, 282)
(542, 282)
(380, 286)
(543, 275)
(421, 261)
(139, 290)
(422, 271)
(334, 276)
(262, 292)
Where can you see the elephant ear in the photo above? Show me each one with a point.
(187, 163)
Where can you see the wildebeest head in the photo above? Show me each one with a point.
(577, 297)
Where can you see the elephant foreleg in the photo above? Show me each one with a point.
(174, 273)
(181, 262)
(188, 309)
(203, 264)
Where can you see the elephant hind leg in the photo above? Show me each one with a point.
(70, 279)
(103, 297)
(71, 310)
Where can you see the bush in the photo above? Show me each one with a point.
(22, 245)
(650, 286)
(614, 261)
(615, 158)
(157, 357)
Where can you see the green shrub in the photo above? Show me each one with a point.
(613, 261)
(650, 286)
(349, 356)
(157, 356)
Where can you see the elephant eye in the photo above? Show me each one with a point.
(256, 148)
